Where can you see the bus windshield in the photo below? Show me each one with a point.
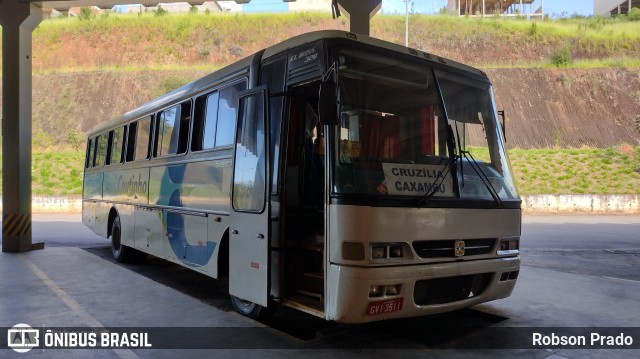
(483, 165)
(395, 139)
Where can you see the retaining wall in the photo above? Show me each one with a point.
(536, 204)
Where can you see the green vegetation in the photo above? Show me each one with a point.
(577, 171)
(562, 58)
(613, 170)
(160, 39)
(57, 172)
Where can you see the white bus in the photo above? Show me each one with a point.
(347, 177)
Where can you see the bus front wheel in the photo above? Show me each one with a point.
(250, 309)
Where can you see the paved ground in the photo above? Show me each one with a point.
(577, 272)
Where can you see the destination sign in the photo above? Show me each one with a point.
(408, 179)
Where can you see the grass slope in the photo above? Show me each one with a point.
(195, 40)
(613, 170)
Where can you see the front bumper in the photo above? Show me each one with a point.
(348, 287)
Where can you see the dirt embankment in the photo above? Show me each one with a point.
(570, 107)
(545, 108)
(216, 40)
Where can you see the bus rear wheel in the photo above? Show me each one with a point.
(120, 252)
(252, 310)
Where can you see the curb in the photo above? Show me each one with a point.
(533, 204)
(55, 204)
(581, 204)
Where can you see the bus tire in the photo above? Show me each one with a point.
(252, 310)
(120, 252)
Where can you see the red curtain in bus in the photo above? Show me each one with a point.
(380, 138)
(428, 130)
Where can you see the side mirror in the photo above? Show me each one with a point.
(328, 104)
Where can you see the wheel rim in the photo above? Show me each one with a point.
(244, 306)
(245, 303)
(115, 241)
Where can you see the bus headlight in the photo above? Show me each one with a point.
(509, 245)
(395, 251)
(378, 252)
(390, 251)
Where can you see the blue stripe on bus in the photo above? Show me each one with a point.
(196, 255)
(171, 192)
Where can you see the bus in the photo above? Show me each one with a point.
(344, 176)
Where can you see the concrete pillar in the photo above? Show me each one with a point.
(18, 19)
(360, 13)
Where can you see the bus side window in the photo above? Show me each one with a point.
(227, 113)
(210, 121)
(204, 122)
(101, 150)
(131, 142)
(143, 136)
(117, 143)
(173, 130)
(88, 162)
(109, 147)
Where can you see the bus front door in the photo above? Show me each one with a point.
(250, 214)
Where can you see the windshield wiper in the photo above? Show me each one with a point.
(435, 186)
(450, 167)
(483, 177)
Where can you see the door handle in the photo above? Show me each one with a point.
(234, 231)
(261, 236)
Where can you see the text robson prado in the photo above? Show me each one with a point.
(595, 340)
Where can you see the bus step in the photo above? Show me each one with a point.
(315, 247)
(312, 295)
(312, 284)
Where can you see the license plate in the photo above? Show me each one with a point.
(385, 306)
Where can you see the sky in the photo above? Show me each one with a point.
(555, 8)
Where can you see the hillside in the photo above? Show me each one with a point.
(90, 71)
(191, 40)
(570, 88)
(545, 107)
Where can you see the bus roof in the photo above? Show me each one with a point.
(242, 66)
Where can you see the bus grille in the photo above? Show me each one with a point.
(446, 248)
(452, 289)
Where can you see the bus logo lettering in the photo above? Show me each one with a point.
(133, 185)
(458, 249)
